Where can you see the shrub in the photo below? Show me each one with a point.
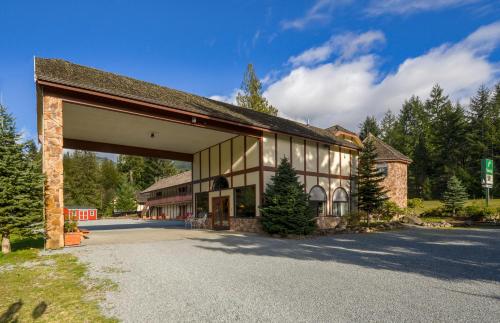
(390, 209)
(455, 196)
(477, 213)
(436, 212)
(415, 203)
(70, 226)
(353, 218)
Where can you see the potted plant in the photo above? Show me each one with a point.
(71, 235)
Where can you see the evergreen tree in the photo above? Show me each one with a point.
(251, 94)
(110, 180)
(21, 184)
(81, 179)
(154, 169)
(455, 195)
(133, 168)
(125, 199)
(388, 128)
(286, 205)
(368, 126)
(371, 195)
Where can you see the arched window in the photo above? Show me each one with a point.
(340, 202)
(220, 183)
(317, 200)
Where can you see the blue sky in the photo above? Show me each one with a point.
(323, 60)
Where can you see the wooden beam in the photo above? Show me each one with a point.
(125, 150)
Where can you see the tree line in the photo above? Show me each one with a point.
(108, 185)
(444, 139)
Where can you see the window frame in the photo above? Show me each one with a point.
(235, 208)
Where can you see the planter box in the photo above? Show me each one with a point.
(72, 238)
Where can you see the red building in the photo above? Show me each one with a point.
(77, 213)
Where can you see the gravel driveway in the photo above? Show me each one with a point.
(417, 275)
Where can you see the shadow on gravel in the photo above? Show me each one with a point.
(459, 254)
(153, 224)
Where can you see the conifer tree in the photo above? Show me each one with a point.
(81, 179)
(286, 205)
(251, 94)
(455, 195)
(125, 199)
(368, 126)
(371, 195)
(21, 184)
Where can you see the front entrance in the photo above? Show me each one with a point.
(220, 208)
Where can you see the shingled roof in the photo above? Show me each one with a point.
(83, 77)
(337, 127)
(386, 152)
(174, 180)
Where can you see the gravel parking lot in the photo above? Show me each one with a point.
(416, 275)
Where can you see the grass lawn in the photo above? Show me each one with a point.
(48, 288)
(494, 203)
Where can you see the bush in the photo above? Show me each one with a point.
(70, 226)
(415, 203)
(478, 213)
(389, 210)
(437, 212)
(353, 218)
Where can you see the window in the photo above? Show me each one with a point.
(382, 168)
(317, 199)
(201, 200)
(340, 202)
(220, 183)
(244, 201)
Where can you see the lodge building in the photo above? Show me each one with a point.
(234, 151)
(169, 198)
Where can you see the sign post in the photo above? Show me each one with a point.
(487, 176)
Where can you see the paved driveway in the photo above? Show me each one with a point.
(417, 275)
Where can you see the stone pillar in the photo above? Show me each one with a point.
(52, 150)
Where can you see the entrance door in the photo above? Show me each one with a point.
(220, 208)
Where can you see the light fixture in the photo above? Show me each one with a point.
(193, 120)
(153, 134)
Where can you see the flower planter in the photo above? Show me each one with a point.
(72, 238)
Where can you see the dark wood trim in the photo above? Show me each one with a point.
(330, 182)
(261, 170)
(276, 150)
(300, 172)
(209, 162)
(235, 173)
(231, 166)
(220, 160)
(305, 166)
(317, 162)
(340, 165)
(245, 159)
(126, 150)
(291, 146)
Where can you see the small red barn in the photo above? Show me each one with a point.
(80, 213)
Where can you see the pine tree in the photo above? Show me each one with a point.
(154, 169)
(251, 94)
(125, 199)
(368, 126)
(21, 184)
(388, 128)
(371, 195)
(81, 179)
(110, 180)
(286, 205)
(455, 195)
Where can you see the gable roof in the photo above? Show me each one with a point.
(83, 77)
(174, 180)
(337, 127)
(386, 152)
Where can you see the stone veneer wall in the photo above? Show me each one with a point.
(246, 225)
(396, 183)
(327, 222)
(52, 150)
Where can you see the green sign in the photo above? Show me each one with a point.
(487, 173)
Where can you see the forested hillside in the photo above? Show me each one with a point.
(444, 138)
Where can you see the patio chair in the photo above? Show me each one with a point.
(190, 219)
(201, 222)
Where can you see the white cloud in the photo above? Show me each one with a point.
(345, 45)
(320, 12)
(377, 7)
(226, 98)
(345, 91)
